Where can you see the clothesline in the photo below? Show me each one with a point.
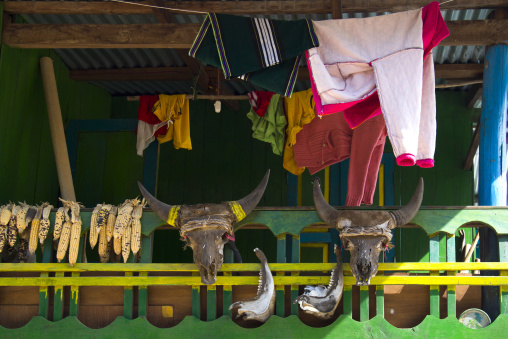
(203, 96)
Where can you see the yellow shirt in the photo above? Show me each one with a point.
(176, 109)
(300, 111)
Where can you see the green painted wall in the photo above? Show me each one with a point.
(27, 165)
(446, 184)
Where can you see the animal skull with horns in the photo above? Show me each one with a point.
(206, 227)
(366, 233)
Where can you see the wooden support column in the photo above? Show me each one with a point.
(145, 258)
(451, 289)
(434, 289)
(63, 166)
(364, 303)
(503, 257)
(492, 159)
(279, 289)
(295, 258)
(47, 254)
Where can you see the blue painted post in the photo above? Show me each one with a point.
(492, 158)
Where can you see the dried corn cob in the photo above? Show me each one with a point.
(34, 231)
(111, 222)
(103, 244)
(30, 215)
(22, 250)
(93, 226)
(117, 245)
(75, 207)
(21, 217)
(102, 218)
(126, 243)
(12, 229)
(44, 224)
(5, 214)
(74, 242)
(64, 240)
(3, 236)
(136, 227)
(60, 217)
(123, 219)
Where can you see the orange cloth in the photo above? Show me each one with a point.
(299, 112)
(175, 110)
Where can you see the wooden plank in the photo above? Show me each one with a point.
(128, 299)
(459, 71)
(364, 303)
(249, 267)
(227, 297)
(58, 300)
(434, 289)
(473, 147)
(74, 297)
(211, 302)
(347, 297)
(279, 289)
(380, 299)
(43, 298)
(474, 95)
(196, 297)
(503, 257)
(451, 289)
(235, 7)
(462, 33)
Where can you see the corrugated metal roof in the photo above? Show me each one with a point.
(91, 59)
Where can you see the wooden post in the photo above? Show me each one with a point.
(434, 289)
(57, 130)
(492, 158)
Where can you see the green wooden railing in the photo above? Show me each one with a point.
(286, 271)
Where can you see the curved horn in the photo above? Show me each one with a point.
(249, 202)
(160, 208)
(405, 214)
(329, 214)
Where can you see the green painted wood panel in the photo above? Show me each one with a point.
(28, 171)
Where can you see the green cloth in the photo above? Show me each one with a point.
(271, 127)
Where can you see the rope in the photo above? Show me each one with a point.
(152, 6)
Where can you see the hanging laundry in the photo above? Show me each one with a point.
(328, 140)
(174, 111)
(259, 101)
(371, 65)
(270, 127)
(149, 125)
(299, 112)
(262, 51)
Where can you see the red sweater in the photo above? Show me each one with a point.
(326, 141)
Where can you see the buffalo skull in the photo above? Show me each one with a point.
(207, 227)
(366, 233)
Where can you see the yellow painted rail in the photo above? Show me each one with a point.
(302, 267)
(254, 280)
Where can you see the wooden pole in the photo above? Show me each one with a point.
(57, 130)
(492, 158)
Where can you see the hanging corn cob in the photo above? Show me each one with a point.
(34, 230)
(5, 214)
(12, 229)
(21, 217)
(74, 241)
(22, 256)
(124, 217)
(3, 236)
(103, 245)
(30, 215)
(102, 218)
(126, 242)
(44, 223)
(60, 217)
(93, 226)
(117, 245)
(111, 222)
(136, 227)
(63, 243)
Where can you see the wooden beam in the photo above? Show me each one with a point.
(474, 95)
(473, 147)
(172, 35)
(185, 74)
(459, 71)
(237, 7)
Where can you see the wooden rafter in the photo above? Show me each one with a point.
(238, 7)
(172, 35)
(449, 71)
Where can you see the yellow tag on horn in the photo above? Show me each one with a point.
(237, 210)
(173, 214)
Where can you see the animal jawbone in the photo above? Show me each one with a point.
(262, 306)
(322, 301)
